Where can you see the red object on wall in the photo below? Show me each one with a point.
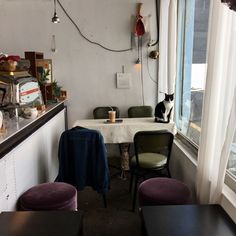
(139, 24)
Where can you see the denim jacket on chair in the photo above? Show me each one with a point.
(83, 159)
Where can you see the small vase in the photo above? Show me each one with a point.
(30, 113)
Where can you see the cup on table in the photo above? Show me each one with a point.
(112, 116)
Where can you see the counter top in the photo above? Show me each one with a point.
(19, 129)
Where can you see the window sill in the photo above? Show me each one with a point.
(230, 181)
(228, 202)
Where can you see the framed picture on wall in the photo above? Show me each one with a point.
(44, 70)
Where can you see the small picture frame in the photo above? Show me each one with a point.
(44, 70)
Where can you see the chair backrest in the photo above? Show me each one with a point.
(102, 112)
(140, 111)
(83, 159)
(153, 142)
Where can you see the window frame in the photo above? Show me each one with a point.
(230, 178)
(186, 10)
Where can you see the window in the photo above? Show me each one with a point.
(191, 66)
(230, 177)
(232, 158)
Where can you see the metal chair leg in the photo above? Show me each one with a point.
(168, 172)
(131, 181)
(135, 193)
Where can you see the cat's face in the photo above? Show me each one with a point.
(169, 97)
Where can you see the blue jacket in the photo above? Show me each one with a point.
(83, 159)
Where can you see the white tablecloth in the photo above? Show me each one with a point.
(124, 132)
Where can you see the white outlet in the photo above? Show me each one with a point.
(123, 80)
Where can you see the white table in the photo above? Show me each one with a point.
(124, 132)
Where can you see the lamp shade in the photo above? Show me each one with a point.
(154, 54)
(138, 64)
(55, 18)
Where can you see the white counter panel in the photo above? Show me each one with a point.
(32, 162)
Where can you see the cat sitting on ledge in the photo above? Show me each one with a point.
(163, 110)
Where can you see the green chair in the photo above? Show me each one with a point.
(152, 155)
(140, 111)
(102, 112)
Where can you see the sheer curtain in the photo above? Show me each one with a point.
(167, 47)
(219, 110)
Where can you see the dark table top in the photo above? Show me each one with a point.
(187, 220)
(41, 223)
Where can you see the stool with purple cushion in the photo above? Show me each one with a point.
(163, 191)
(49, 196)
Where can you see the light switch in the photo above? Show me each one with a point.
(123, 80)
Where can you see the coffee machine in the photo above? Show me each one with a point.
(18, 89)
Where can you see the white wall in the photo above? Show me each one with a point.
(86, 71)
(183, 166)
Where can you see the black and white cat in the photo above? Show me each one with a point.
(163, 110)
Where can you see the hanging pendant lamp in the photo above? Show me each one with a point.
(55, 18)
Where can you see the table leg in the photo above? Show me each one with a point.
(124, 149)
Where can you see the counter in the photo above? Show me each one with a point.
(20, 129)
(28, 154)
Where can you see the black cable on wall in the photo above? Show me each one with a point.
(85, 37)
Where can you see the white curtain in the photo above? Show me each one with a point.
(167, 47)
(219, 109)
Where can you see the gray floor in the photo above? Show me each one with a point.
(117, 219)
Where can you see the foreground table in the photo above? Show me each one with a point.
(187, 220)
(41, 223)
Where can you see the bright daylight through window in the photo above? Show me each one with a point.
(193, 17)
(191, 66)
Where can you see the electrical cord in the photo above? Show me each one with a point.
(141, 54)
(157, 22)
(87, 39)
(149, 74)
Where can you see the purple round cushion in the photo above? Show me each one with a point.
(163, 191)
(49, 196)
